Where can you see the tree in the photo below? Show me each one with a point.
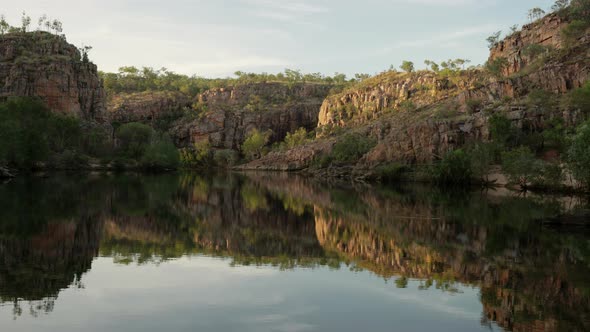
(579, 155)
(481, 158)
(25, 22)
(254, 143)
(580, 98)
(407, 66)
(296, 138)
(4, 26)
(494, 39)
(520, 166)
(41, 22)
(361, 77)
(57, 27)
(454, 168)
(514, 28)
(560, 5)
(133, 139)
(84, 50)
(497, 66)
(501, 130)
(432, 65)
(536, 13)
(161, 154)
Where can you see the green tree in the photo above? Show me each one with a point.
(25, 22)
(496, 66)
(454, 168)
(254, 143)
(481, 158)
(407, 66)
(494, 39)
(4, 26)
(520, 166)
(351, 148)
(161, 154)
(580, 98)
(536, 13)
(432, 65)
(501, 130)
(579, 155)
(560, 5)
(23, 135)
(296, 138)
(133, 139)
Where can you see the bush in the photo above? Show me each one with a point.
(134, 138)
(481, 157)
(161, 154)
(24, 137)
(541, 99)
(296, 138)
(71, 160)
(351, 148)
(520, 166)
(453, 169)
(254, 143)
(573, 31)
(580, 98)
(225, 158)
(391, 173)
(474, 105)
(579, 155)
(550, 175)
(501, 129)
(496, 67)
(199, 154)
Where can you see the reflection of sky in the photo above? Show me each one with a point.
(206, 294)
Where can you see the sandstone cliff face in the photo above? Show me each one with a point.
(231, 113)
(545, 32)
(389, 91)
(147, 107)
(46, 66)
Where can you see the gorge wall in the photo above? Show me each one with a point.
(227, 115)
(39, 64)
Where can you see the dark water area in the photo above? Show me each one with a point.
(273, 252)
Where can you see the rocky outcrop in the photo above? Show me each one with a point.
(39, 64)
(389, 91)
(229, 114)
(147, 107)
(545, 32)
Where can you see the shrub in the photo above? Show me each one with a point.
(541, 99)
(579, 155)
(454, 168)
(161, 154)
(407, 66)
(225, 158)
(481, 157)
(296, 138)
(496, 67)
(474, 105)
(550, 175)
(70, 159)
(573, 31)
(520, 166)
(351, 148)
(134, 138)
(580, 98)
(501, 129)
(391, 172)
(254, 143)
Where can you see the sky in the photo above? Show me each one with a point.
(215, 38)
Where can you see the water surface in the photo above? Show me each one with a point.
(263, 252)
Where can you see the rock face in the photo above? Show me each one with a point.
(147, 107)
(39, 64)
(229, 114)
(389, 91)
(545, 32)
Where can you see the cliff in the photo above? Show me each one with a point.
(418, 117)
(227, 115)
(156, 108)
(39, 64)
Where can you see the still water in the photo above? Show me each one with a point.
(263, 252)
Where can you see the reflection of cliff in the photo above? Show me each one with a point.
(529, 276)
(39, 267)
